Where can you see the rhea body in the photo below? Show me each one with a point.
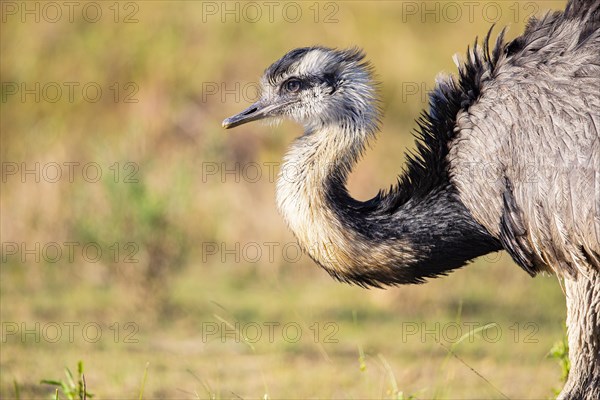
(528, 110)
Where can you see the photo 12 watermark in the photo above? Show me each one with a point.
(269, 332)
(69, 332)
(69, 172)
(327, 12)
(271, 171)
(251, 252)
(468, 331)
(69, 92)
(53, 12)
(230, 92)
(467, 11)
(69, 252)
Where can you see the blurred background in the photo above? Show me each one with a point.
(142, 239)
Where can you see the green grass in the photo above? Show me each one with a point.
(72, 389)
(560, 353)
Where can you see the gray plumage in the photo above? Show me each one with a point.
(508, 157)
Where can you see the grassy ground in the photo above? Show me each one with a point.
(198, 277)
(404, 336)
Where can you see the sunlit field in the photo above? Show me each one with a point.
(143, 240)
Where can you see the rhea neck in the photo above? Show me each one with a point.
(370, 243)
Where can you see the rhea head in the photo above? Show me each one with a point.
(316, 87)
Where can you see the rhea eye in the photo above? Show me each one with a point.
(293, 85)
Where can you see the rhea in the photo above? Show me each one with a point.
(527, 110)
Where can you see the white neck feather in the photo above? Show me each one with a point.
(301, 196)
(308, 167)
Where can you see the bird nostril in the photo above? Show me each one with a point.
(252, 110)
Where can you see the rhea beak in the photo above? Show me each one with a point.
(256, 111)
